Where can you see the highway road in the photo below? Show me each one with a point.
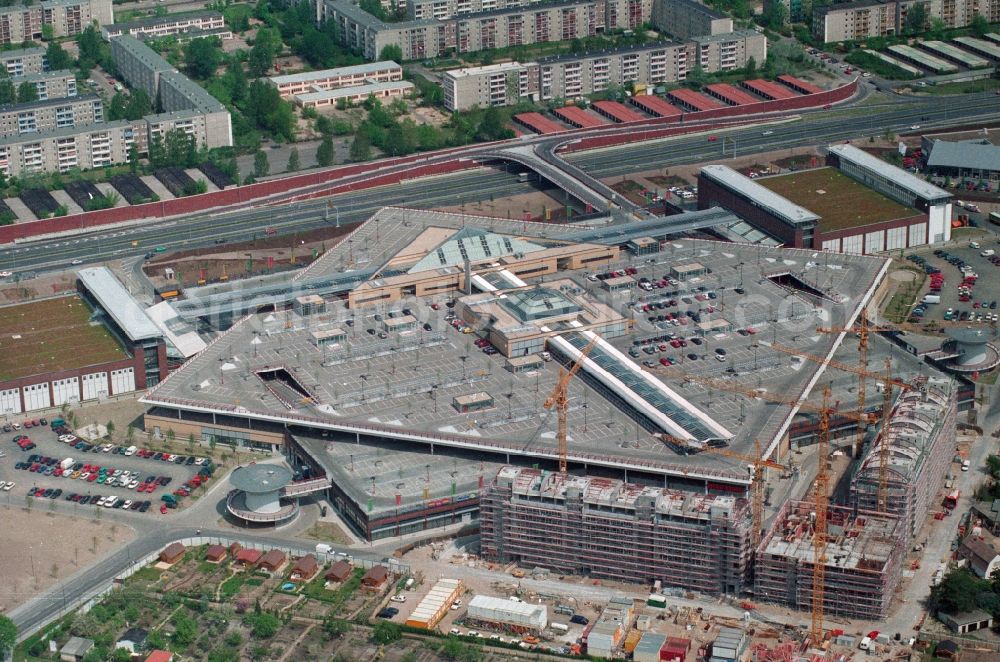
(819, 127)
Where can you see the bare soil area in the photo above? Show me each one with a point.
(40, 548)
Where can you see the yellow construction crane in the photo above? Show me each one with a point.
(756, 487)
(559, 398)
(821, 497)
(882, 494)
(862, 328)
(723, 385)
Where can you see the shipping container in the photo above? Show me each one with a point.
(657, 600)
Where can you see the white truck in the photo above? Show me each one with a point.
(931, 298)
(323, 548)
(561, 628)
(67, 463)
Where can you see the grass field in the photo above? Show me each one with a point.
(51, 335)
(840, 201)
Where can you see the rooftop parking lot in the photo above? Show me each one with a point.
(91, 474)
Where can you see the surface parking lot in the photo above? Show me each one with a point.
(142, 470)
(986, 289)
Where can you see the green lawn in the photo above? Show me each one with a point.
(970, 87)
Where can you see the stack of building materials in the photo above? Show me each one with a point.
(730, 645)
(435, 604)
(501, 613)
(649, 647)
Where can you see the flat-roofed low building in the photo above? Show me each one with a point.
(383, 91)
(527, 363)
(820, 208)
(164, 26)
(383, 71)
(309, 304)
(324, 337)
(473, 402)
(687, 271)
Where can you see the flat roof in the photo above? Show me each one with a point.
(343, 92)
(838, 200)
(968, 59)
(923, 59)
(980, 45)
(118, 303)
(168, 19)
(894, 62)
(731, 94)
(56, 101)
(696, 100)
(310, 76)
(769, 89)
(399, 389)
(579, 117)
(656, 106)
(52, 335)
(539, 123)
(260, 478)
(486, 69)
(764, 196)
(617, 111)
(180, 334)
(972, 154)
(43, 75)
(800, 84)
(912, 183)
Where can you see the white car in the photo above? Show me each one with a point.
(915, 127)
(128, 502)
(200, 460)
(111, 482)
(8, 486)
(455, 631)
(133, 484)
(472, 633)
(106, 448)
(398, 598)
(112, 500)
(102, 501)
(5, 274)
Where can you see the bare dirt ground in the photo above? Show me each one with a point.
(40, 548)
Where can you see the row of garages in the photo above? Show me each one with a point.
(126, 189)
(942, 58)
(673, 104)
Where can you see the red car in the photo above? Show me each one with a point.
(712, 139)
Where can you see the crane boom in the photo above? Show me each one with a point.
(834, 364)
(882, 496)
(822, 496)
(559, 398)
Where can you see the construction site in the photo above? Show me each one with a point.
(861, 554)
(603, 401)
(608, 529)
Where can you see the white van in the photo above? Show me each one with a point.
(131, 450)
(965, 465)
(989, 252)
(972, 244)
(866, 644)
(931, 298)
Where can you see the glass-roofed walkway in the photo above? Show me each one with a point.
(665, 409)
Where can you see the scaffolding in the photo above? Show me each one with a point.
(920, 435)
(614, 530)
(863, 561)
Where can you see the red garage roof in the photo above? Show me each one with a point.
(538, 123)
(694, 100)
(579, 117)
(617, 111)
(731, 94)
(799, 85)
(769, 90)
(656, 106)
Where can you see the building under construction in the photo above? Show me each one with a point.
(920, 434)
(863, 561)
(615, 530)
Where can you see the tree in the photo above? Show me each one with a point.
(27, 92)
(261, 57)
(48, 32)
(202, 57)
(223, 655)
(916, 19)
(260, 165)
(957, 591)
(324, 154)
(138, 105)
(334, 628)
(8, 93)
(269, 111)
(361, 148)
(8, 634)
(111, 428)
(121, 655)
(57, 57)
(185, 629)
(980, 26)
(293, 161)
(492, 128)
(386, 632)
(375, 8)
(750, 71)
(89, 44)
(391, 52)
(263, 625)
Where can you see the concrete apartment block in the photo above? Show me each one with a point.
(879, 18)
(37, 116)
(688, 18)
(50, 84)
(67, 17)
(492, 85)
(23, 61)
(65, 149)
(569, 77)
(725, 52)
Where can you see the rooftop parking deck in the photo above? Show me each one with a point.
(403, 385)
